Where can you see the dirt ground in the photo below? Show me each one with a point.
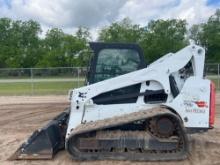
(20, 116)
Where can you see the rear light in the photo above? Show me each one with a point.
(212, 105)
(201, 104)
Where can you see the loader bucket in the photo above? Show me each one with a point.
(44, 143)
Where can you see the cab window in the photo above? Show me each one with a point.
(115, 62)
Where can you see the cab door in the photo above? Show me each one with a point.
(114, 59)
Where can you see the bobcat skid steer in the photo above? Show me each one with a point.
(131, 111)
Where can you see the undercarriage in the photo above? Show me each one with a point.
(155, 134)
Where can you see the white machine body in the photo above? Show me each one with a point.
(191, 103)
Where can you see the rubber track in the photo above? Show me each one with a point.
(121, 120)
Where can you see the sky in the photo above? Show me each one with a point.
(95, 14)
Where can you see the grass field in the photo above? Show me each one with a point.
(49, 86)
(41, 87)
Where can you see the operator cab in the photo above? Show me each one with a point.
(113, 59)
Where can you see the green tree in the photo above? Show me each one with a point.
(5, 46)
(123, 31)
(19, 43)
(30, 43)
(162, 37)
(82, 56)
(157, 38)
(62, 50)
(208, 35)
(195, 33)
(211, 37)
(53, 46)
(83, 34)
(21, 46)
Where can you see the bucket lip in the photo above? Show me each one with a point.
(47, 153)
(44, 143)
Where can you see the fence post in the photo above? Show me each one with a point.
(218, 77)
(78, 77)
(32, 82)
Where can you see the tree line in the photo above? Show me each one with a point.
(22, 47)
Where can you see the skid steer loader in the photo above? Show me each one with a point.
(131, 111)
